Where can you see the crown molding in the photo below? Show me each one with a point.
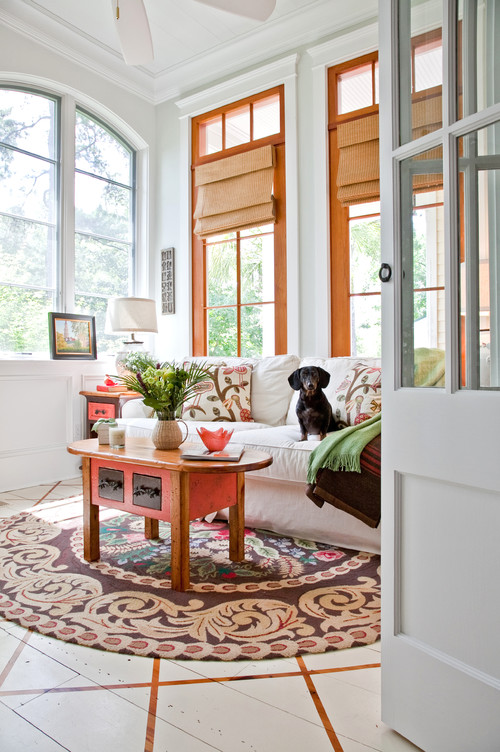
(345, 45)
(138, 82)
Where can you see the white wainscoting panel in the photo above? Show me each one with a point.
(41, 412)
(38, 410)
(445, 576)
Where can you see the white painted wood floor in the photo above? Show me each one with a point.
(56, 696)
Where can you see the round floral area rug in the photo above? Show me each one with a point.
(287, 598)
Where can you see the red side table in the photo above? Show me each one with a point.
(104, 405)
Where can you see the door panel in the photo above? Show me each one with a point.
(445, 575)
(440, 466)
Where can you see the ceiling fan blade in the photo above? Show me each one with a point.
(133, 30)
(260, 10)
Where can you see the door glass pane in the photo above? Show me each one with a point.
(257, 331)
(238, 126)
(479, 196)
(422, 283)
(266, 116)
(221, 273)
(420, 68)
(478, 75)
(428, 64)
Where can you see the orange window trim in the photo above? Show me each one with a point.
(340, 276)
(199, 261)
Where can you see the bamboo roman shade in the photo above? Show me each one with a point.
(235, 192)
(358, 144)
(359, 168)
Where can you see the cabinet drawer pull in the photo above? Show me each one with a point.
(101, 410)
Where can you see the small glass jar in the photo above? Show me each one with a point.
(117, 437)
(102, 430)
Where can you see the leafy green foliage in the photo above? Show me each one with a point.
(165, 386)
(23, 319)
(222, 322)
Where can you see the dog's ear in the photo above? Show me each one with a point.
(294, 379)
(324, 378)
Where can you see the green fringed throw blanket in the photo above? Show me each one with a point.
(342, 450)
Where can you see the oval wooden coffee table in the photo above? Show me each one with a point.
(159, 485)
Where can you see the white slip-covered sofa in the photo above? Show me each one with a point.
(275, 497)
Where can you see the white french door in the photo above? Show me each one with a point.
(440, 218)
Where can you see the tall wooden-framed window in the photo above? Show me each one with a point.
(355, 205)
(355, 288)
(239, 276)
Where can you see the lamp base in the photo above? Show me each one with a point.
(128, 347)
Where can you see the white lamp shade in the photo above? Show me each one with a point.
(131, 315)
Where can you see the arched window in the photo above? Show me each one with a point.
(66, 243)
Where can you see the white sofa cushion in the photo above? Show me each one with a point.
(136, 408)
(290, 455)
(337, 368)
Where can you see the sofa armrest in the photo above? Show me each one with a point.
(136, 409)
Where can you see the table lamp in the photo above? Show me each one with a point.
(130, 315)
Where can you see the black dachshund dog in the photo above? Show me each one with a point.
(314, 412)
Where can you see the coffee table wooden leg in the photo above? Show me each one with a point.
(237, 522)
(91, 550)
(151, 528)
(179, 527)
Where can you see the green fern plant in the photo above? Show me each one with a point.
(165, 386)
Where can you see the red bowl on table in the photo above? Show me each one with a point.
(215, 441)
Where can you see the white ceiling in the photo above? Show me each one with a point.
(193, 43)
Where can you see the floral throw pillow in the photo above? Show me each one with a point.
(225, 398)
(358, 397)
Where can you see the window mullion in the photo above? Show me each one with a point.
(66, 240)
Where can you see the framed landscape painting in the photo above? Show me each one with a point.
(72, 336)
